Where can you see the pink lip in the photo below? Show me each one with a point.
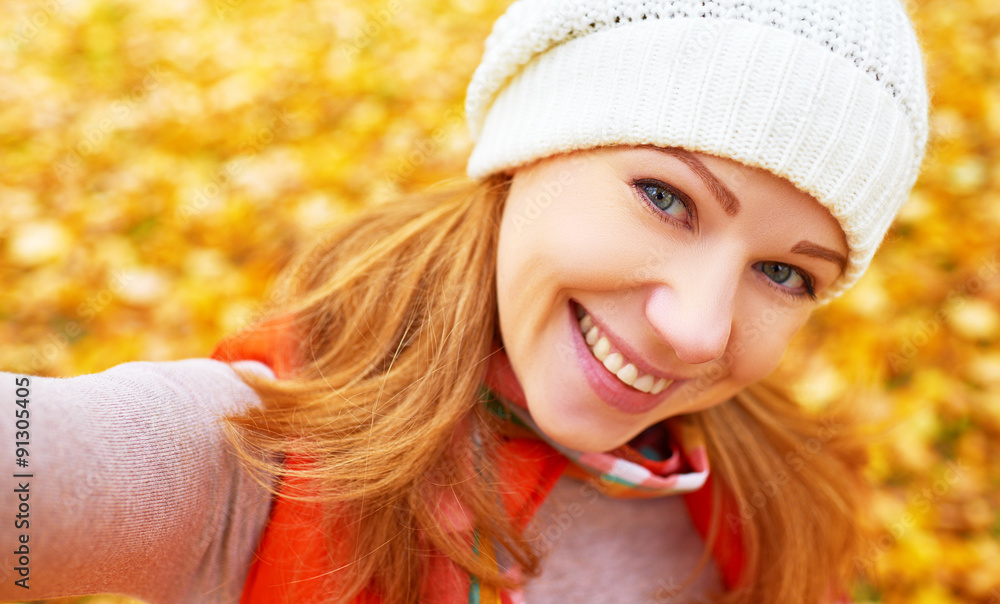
(608, 387)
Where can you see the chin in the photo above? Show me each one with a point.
(584, 430)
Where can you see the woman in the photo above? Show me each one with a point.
(661, 193)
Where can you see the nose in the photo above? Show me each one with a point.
(694, 317)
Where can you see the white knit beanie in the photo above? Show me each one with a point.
(829, 94)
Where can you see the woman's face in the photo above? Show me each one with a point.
(639, 283)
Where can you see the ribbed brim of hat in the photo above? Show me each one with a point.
(734, 89)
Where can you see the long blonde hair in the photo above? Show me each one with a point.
(396, 314)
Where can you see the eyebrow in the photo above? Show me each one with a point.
(730, 204)
(818, 251)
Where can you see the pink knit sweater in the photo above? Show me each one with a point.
(132, 490)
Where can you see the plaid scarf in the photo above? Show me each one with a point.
(666, 459)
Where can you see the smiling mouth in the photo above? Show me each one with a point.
(614, 361)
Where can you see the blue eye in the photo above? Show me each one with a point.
(665, 200)
(788, 277)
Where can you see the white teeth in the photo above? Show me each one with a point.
(602, 349)
(616, 363)
(643, 384)
(613, 362)
(628, 374)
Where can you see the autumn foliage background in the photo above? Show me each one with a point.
(160, 160)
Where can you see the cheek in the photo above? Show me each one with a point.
(573, 239)
(531, 266)
(760, 342)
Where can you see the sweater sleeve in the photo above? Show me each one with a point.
(130, 486)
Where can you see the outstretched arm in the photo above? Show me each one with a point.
(122, 482)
